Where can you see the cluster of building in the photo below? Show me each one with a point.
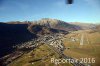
(54, 40)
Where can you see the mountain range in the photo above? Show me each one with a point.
(16, 32)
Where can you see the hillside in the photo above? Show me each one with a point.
(57, 24)
(42, 30)
(12, 34)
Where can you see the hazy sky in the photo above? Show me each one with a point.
(21, 10)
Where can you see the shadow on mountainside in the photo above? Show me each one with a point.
(12, 34)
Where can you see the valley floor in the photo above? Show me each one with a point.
(84, 45)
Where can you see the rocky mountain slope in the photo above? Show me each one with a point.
(57, 24)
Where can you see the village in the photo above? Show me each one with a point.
(55, 40)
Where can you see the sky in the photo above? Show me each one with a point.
(87, 11)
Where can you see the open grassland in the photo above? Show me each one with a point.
(89, 49)
(34, 57)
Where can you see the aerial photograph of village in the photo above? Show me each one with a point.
(49, 32)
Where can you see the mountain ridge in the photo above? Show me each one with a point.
(57, 24)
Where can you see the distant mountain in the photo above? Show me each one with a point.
(57, 24)
(84, 25)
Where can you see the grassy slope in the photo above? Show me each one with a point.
(38, 53)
